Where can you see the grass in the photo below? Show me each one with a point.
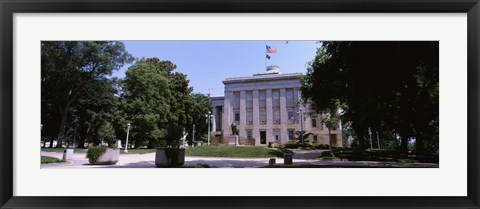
(75, 150)
(232, 151)
(46, 159)
(383, 155)
(137, 151)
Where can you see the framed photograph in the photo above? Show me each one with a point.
(234, 104)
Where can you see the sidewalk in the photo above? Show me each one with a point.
(148, 161)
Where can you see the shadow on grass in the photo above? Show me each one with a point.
(276, 153)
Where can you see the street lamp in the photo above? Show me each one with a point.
(370, 134)
(208, 122)
(128, 132)
(193, 134)
(300, 114)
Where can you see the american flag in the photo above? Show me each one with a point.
(271, 49)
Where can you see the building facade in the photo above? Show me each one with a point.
(267, 108)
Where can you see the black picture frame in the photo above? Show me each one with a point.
(10, 7)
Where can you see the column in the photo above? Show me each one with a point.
(269, 108)
(256, 117)
(283, 116)
(214, 115)
(214, 125)
(227, 114)
(243, 115)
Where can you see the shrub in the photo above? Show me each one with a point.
(94, 153)
(321, 146)
(198, 165)
(172, 155)
(291, 145)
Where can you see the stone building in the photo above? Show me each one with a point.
(266, 108)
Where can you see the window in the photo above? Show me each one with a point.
(249, 102)
(236, 99)
(263, 116)
(237, 117)
(262, 100)
(276, 134)
(249, 117)
(314, 122)
(290, 98)
(290, 134)
(249, 134)
(276, 116)
(276, 98)
(291, 115)
(315, 139)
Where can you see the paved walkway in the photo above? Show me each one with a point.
(148, 161)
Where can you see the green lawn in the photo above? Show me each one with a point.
(232, 151)
(75, 150)
(137, 151)
(46, 159)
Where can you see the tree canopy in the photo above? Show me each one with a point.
(71, 73)
(390, 87)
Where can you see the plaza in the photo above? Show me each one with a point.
(301, 158)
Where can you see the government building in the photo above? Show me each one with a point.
(265, 108)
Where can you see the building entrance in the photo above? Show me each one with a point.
(263, 137)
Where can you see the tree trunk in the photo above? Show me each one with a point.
(81, 142)
(61, 131)
(419, 145)
(51, 142)
(360, 136)
(330, 141)
(403, 145)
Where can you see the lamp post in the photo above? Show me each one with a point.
(193, 134)
(300, 114)
(208, 123)
(370, 134)
(126, 141)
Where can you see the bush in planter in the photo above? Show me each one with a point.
(169, 153)
(102, 155)
(94, 153)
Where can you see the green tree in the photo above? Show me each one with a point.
(389, 86)
(180, 102)
(106, 133)
(68, 69)
(95, 109)
(202, 106)
(145, 104)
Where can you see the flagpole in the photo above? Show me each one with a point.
(265, 62)
(265, 58)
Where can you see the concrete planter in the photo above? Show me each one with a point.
(67, 154)
(161, 159)
(109, 157)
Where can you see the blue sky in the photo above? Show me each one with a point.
(208, 63)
